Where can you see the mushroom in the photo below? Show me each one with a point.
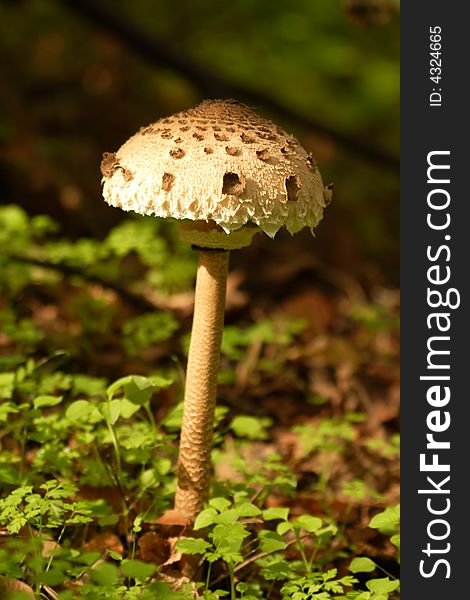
(224, 173)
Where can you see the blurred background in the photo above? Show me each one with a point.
(78, 77)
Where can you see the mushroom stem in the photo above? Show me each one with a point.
(194, 468)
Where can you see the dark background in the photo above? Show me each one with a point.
(79, 77)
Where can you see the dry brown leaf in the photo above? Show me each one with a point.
(153, 548)
(8, 586)
(106, 540)
(173, 517)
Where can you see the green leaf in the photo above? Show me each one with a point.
(43, 401)
(53, 577)
(275, 512)
(382, 586)
(128, 408)
(104, 574)
(7, 381)
(137, 525)
(247, 509)
(388, 520)
(228, 539)
(116, 385)
(220, 504)
(205, 518)
(137, 569)
(307, 522)
(275, 568)
(81, 410)
(88, 558)
(362, 564)
(8, 474)
(111, 411)
(270, 541)
(395, 539)
(174, 418)
(108, 520)
(161, 382)
(192, 545)
(7, 408)
(139, 390)
(284, 527)
(227, 516)
(253, 428)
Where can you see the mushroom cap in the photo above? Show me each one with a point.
(221, 164)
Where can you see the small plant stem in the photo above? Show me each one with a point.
(149, 412)
(23, 440)
(325, 475)
(37, 587)
(117, 452)
(116, 448)
(256, 556)
(134, 540)
(385, 571)
(233, 595)
(194, 468)
(305, 560)
(312, 558)
(59, 539)
(208, 579)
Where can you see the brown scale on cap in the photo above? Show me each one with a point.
(177, 153)
(311, 162)
(293, 186)
(167, 181)
(110, 164)
(263, 154)
(266, 136)
(248, 138)
(232, 184)
(233, 150)
(146, 130)
(221, 137)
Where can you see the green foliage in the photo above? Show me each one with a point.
(328, 435)
(122, 447)
(152, 328)
(375, 317)
(318, 586)
(239, 342)
(252, 428)
(387, 522)
(43, 508)
(82, 454)
(228, 539)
